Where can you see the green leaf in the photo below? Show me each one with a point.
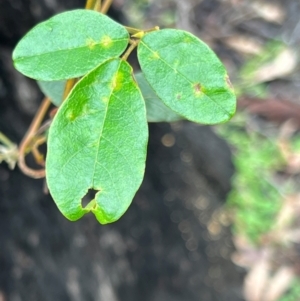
(54, 90)
(69, 45)
(187, 76)
(98, 141)
(157, 111)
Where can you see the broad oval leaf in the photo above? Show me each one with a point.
(98, 141)
(157, 111)
(69, 45)
(187, 76)
(54, 90)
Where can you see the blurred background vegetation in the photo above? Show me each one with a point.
(258, 41)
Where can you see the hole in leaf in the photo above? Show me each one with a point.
(178, 96)
(88, 198)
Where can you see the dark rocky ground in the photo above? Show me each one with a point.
(160, 250)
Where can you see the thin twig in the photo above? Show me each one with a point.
(133, 45)
(98, 6)
(90, 4)
(106, 5)
(69, 85)
(36, 122)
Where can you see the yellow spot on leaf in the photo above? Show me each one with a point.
(155, 55)
(113, 82)
(120, 78)
(105, 99)
(176, 63)
(70, 115)
(91, 43)
(187, 39)
(116, 82)
(106, 41)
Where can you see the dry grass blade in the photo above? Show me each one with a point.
(257, 279)
(279, 283)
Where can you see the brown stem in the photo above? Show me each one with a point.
(90, 4)
(98, 6)
(36, 122)
(133, 44)
(69, 85)
(38, 157)
(106, 5)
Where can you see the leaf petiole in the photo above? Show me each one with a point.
(133, 45)
(139, 33)
(69, 85)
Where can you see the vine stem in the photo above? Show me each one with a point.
(106, 5)
(133, 44)
(132, 30)
(35, 124)
(69, 85)
(98, 6)
(90, 4)
(135, 31)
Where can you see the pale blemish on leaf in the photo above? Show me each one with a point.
(197, 89)
(105, 99)
(155, 55)
(71, 115)
(178, 96)
(115, 83)
(187, 39)
(176, 63)
(106, 41)
(119, 80)
(91, 43)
